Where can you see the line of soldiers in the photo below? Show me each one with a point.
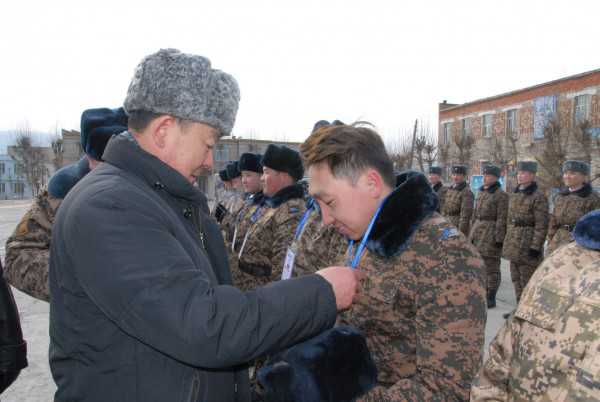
(515, 226)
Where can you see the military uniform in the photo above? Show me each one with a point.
(458, 206)
(28, 248)
(422, 304)
(262, 253)
(234, 207)
(488, 227)
(569, 206)
(527, 224)
(440, 190)
(549, 349)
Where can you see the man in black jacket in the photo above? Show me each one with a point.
(142, 307)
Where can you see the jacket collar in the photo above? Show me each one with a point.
(491, 189)
(285, 194)
(587, 230)
(257, 198)
(411, 202)
(583, 192)
(124, 152)
(530, 189)
(437, 186)
(459, 186)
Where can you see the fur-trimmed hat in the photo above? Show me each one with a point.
(492, 170)
(233, 170)
(250, 162)
(98, 126)
(576, 166)
(587, 230)
(527, 166)
(435, 170)
(283, 159)
(332, 367)
(223, 175)
(185, 86)
(459, 169)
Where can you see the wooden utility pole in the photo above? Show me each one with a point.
(412, 146)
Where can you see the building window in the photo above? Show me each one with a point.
(18, 188)
(511, 122)
(2, 188)
(18, 170)
(487, 125)
(447, 132)
(2, 168)
(581, 108)
(222, 153)
(466, 128)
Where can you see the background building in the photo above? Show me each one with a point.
(13, 185)
(549, 122)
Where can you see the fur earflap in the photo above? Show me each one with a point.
(335, 366)
(405, 208)
(65, 178)
(587, 230)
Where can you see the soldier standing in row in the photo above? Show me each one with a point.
(488, 227)
(28, 248)
(435, 179)
(571, 204)
(549, 349)
(264, 247)
(527, 225)
(458, 200)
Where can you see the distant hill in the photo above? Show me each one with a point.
(7, 137)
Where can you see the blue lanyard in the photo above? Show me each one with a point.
(355, 258)
(256, 214)
(303, 221)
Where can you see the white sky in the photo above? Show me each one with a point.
(388, 62)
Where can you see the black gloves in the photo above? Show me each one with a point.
(534, 253)
(220, 212)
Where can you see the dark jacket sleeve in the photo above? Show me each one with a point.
(139, 275)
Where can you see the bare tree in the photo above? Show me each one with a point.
(58, 152)
(464, 147)
(30, 159)
(399, 150)
(425, 147)
(554, 149)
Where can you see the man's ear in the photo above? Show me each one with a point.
(374, 182)
(160, 128)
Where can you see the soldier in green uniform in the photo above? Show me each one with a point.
(458, 200)
(488, 227)
(527, 225)
(577, 199)
(28, 248)
(549, 350)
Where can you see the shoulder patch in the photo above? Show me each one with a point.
(448, 232)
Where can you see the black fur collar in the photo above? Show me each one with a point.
(583, 192)
(491, 189)
(530, 189)
(285, 194)
(402, 213)
(587, 230)
(437, 186)
(257, 198)
(459, 187)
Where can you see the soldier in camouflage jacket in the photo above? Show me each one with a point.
(550, 349)
(28, 248)
(488, 227)
(435, 179)
(458, 200)
(577, 199)
(527, 225)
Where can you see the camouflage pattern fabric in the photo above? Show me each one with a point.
(458, 206)
(28, 248)
(440, 190)
(488, 223)
(520, 274)
(568, 208)
(423, 313)
(238, 204)
(493, 274)
(549, 349)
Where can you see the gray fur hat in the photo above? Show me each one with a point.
(435, 170)
(527, 166)
(459, 169)
(492, 170)
(576, 166)
(185, 86)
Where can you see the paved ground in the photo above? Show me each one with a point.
(35, 382)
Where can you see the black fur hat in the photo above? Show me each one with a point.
(250, 162)
(459, 169)
(223, 175)
(527, 166)
(233, 170)
(435, 170)
(283, 159)
(493, 170)
(576, 166)
(335, 366)
(587, 230)
(98, 126)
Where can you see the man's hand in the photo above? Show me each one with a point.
(344, 282)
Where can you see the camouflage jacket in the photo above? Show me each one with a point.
(239, 204)
(422, 304)
(318, 245)
(550, 349)
(267, 240)
(458, 206)
(440, 190)
(568, 208)
(28, 248)
(527, 225)
(488, 222)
